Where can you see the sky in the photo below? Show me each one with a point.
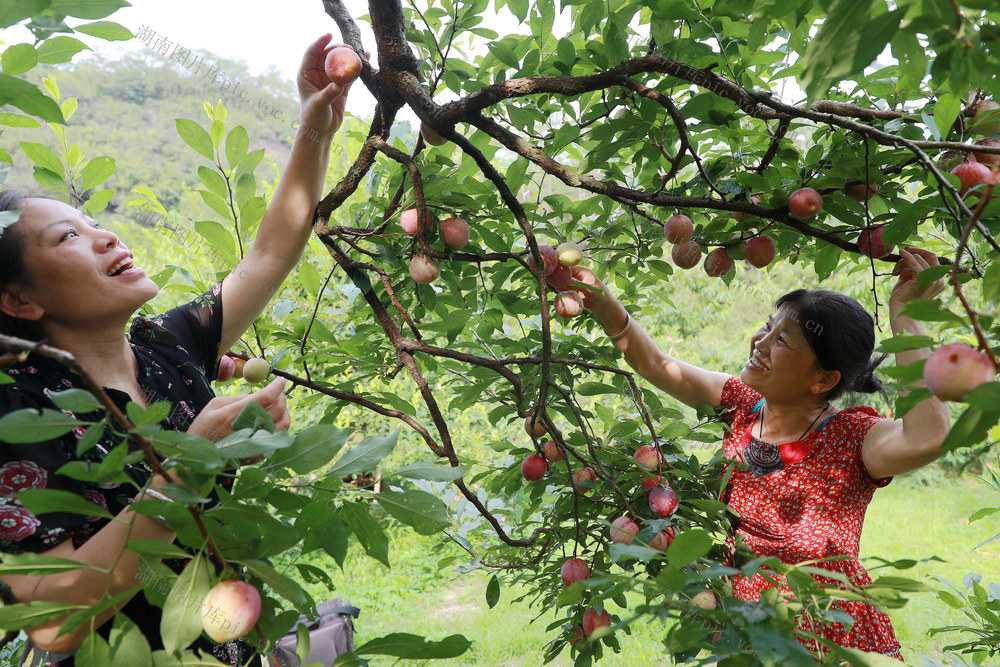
(267, 35)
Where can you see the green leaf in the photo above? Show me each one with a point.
(157, 549)
(43, 501)
(60, 49)
(17, 120)
(196, 137)
(945, 112)
(363, 457)
(687, 547)
(107, 30)
(87, 9)
(970, 428)
(237, 144)
(97, 170)
(19, 58)
(404, 645)
(29, 99)
(279, 583)
(15, 12)
(930, 311)
(427, 470)
(368, 531)
(97, 202)
(493, 592)
(93, 652)
(181, 621)
(128, 644)
(905, 341)
(20, 616)
(75, 400)
(43, 156)
(27, 426)
(422, 511)
(218, 236)
(637, 551)
(38, 564)
(312, 449)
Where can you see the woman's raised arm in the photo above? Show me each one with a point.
(287, 224)
(686, 382)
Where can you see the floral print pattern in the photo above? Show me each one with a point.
(812, 508)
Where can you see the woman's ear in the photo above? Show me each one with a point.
(827, 381)
(14, 303)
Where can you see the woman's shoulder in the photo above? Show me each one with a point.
(738, 396)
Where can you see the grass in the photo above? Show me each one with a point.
(915, 517)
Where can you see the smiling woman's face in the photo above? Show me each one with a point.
(782, 365)
(80, 276)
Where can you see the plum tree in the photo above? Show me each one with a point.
(970, 175)
(678, 229)
(686, 255)
(573, 570)
(455, 232)
(870, 243)
(533, 467)
(759, 251)
(424, 269)
(718, 263)
(805, 203)
(256, 370)
(623, 530)
(570, 254)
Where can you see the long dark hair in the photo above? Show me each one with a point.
(842, 335)
(13, 270)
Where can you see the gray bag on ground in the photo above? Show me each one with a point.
(330, 635)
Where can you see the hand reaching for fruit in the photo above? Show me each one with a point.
(323, 97)
(912, 262)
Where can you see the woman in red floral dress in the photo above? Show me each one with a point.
(805, 469)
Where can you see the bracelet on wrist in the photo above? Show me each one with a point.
(628, 323)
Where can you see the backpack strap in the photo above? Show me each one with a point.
(345, 609)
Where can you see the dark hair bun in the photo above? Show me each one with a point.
(867, 383)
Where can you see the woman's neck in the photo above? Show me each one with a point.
(105, 354)
(790, 419)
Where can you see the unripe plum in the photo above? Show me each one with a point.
(718, 263)
(686, 255)
(569, 254)
(861, 192)
(623, 530)
(536, 430)
(549, 256)
(569, 304)
(954, 370)
(455, 232)
(988, 158)
(343, 65)
(678, 229)
(574, 570)
(431, 136)
(238, 368)
(424, 269)
(592, 620)
(648, 456)
(970, 175)
(663, 501)
(805, 203)
(871, 245)
(238, 605)
(256, 371)
(759, 251)
(986, 120)
(533, 467)
(704, 599)
(585, 474)
(551, 451)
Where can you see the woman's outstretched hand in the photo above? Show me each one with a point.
(323, 101)
(596, 294)
(215, 421)
(912, 262)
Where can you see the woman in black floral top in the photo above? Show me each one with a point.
(65, 280)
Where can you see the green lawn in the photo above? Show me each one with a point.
(914, 517)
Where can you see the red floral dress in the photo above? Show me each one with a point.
(809, 504)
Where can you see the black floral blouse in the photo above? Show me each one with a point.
(177, 356)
